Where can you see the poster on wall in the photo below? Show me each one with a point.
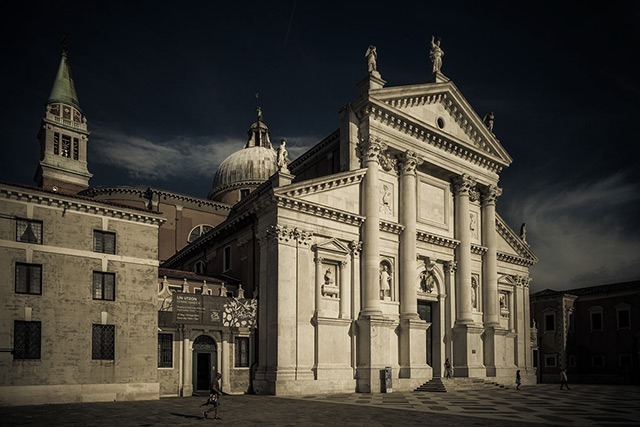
(207, 310)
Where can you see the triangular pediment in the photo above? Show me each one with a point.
(510, 245)
(332, 246)
(441, 109)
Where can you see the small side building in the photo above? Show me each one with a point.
(592, 332)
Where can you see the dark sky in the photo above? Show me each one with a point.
(169, 88)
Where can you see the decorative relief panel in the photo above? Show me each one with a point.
(387, 198)
(432, 204)
(330, 287)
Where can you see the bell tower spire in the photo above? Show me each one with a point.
(63, 136)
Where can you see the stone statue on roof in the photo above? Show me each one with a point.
(283, 157)
(435, 54)
(523, 232)
(488, 121)
(372, 56)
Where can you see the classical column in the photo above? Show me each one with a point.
(187, 381)
(450, 268)
(344, 291)
(370, 151)
(319, 282)
(490, 261)
(225, 358)
(462, 188)
(408, 162)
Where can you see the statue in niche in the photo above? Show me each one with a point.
(427, 281)
(435, 54)
(474, 293)
(503, 301)
(372, 56)
(385, 207)
(523, 232)
(329, 287)
(283, 156)
(488, 121)
(385, 282)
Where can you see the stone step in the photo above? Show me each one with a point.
(439, 385)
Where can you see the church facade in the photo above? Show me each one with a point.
(381, 248)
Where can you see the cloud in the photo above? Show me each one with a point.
(583, 235)
(163, 160)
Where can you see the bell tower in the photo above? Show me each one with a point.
(63, 137)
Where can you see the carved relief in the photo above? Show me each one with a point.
(450, 266)
(428, 281)
(473, 224)
(386, 202)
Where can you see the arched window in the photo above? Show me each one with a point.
(199, 231)
(199, 267)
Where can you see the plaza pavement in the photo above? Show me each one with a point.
(540, 404)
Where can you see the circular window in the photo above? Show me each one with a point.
(199, 231)
(440, 122)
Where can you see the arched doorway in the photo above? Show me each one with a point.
(205, 357)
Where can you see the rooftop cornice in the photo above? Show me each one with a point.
(381, 112)
(97, 191)
(323, 183)
(318, 210)
(73, 203)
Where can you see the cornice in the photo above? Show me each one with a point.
(428, 135)
(72, 204)
(318, 210)
(435, 239)
(98, 191)
(513, 259)
(391, 227)
(478, 250)
(323, 184)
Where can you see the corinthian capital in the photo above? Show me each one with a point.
(408, 162)
(371, 149)
(490, 194)
(463, 185)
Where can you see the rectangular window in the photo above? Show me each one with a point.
(624, 318)
(549, 322)
(28, 231)
(572, 361)
(165, 350)
(28, 278)
(550, 361)
(597, 361)
(104, 242)
(104, 286)
(596, 321)
(103, 342)
(226, 260)
(241, 352)
(66, 146)
(26, 340)
(75, 148)
(56, 143)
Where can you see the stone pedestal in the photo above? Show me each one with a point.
(467, 351)
(374, 337)
(413, 349)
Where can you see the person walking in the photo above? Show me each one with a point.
(447, 369)
(563, 379)
(518, 380)
(214, 398)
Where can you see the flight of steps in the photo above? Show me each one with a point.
(440, 385)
